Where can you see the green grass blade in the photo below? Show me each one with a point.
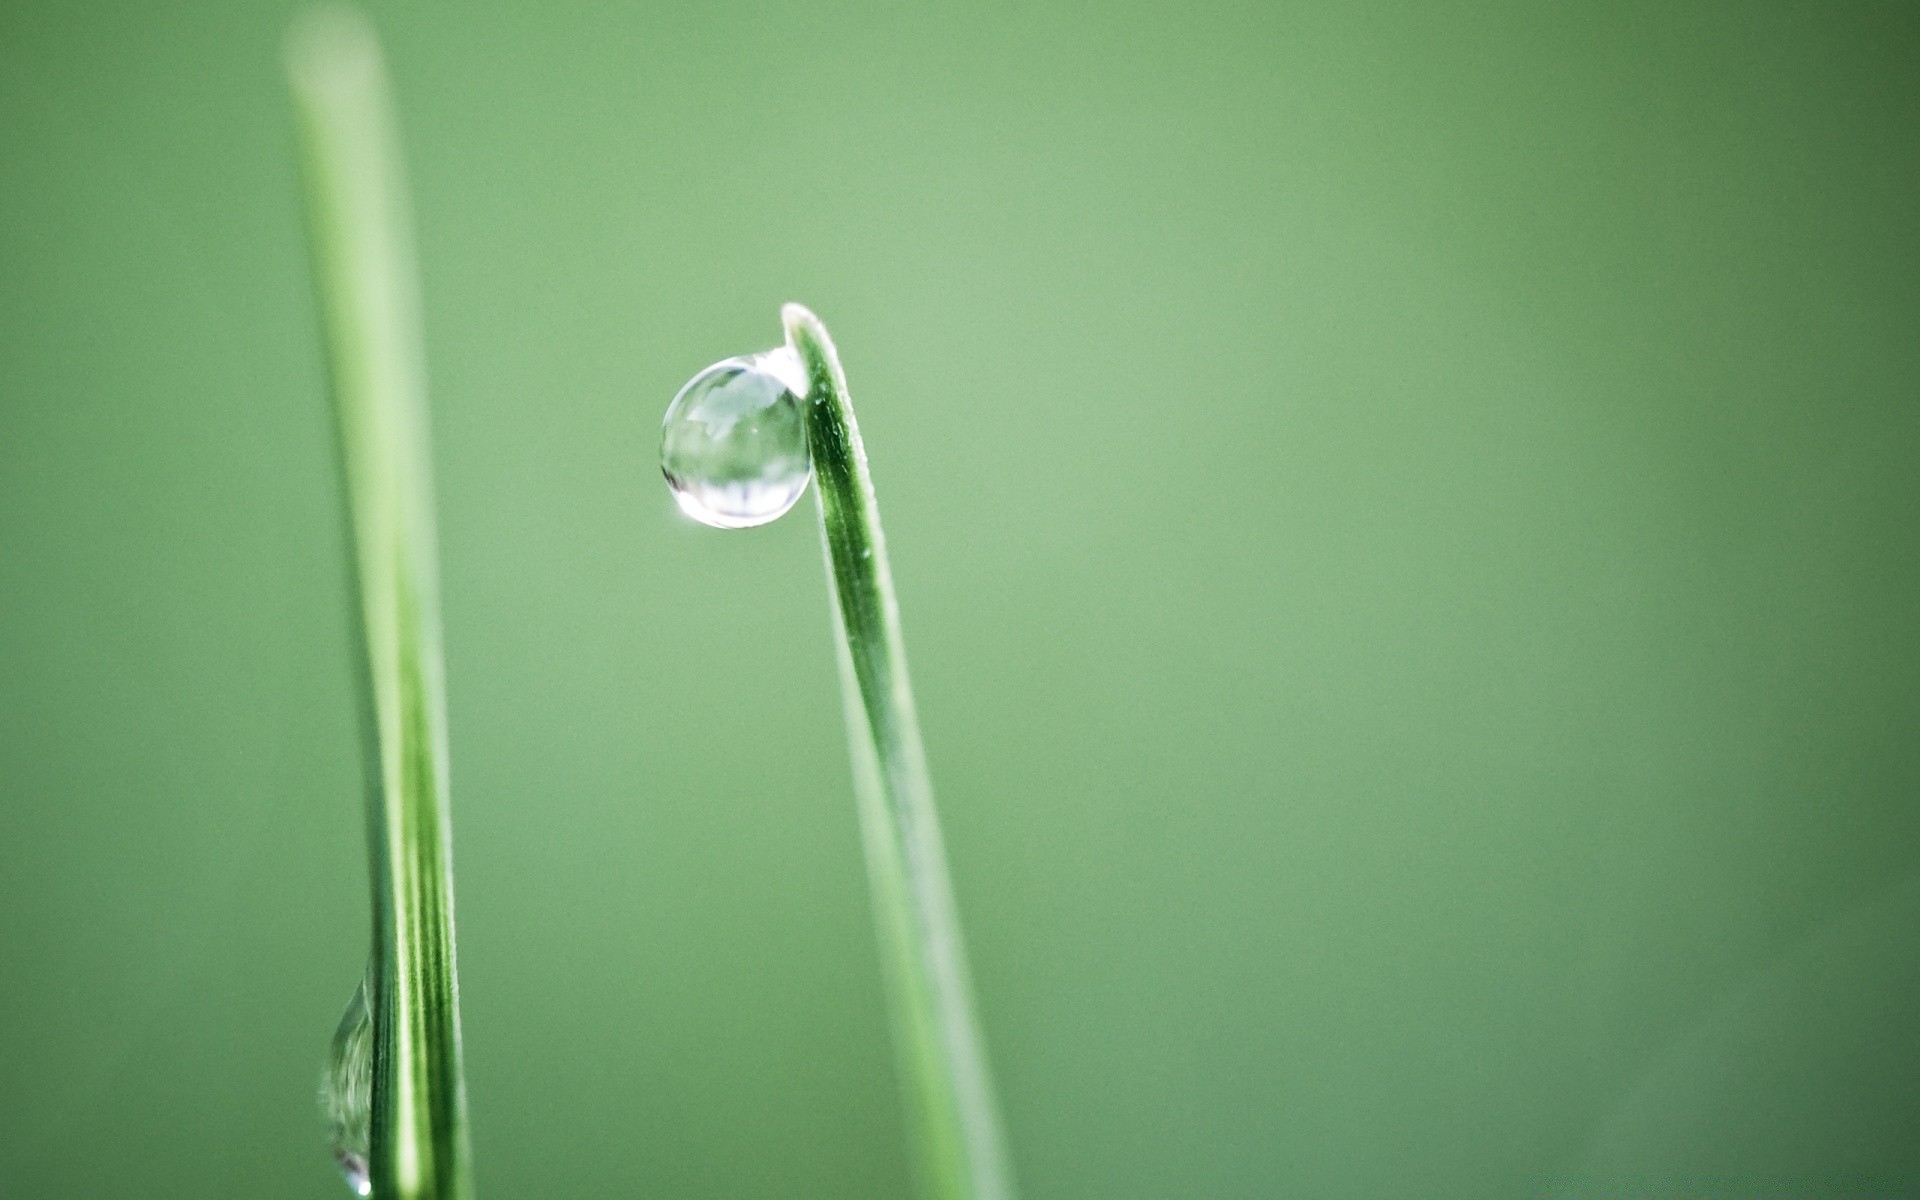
(364, 275)
(954, 1121)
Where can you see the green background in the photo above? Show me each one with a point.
(1407, 520)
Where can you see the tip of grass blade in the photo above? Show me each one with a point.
(795, 318)
(332, 50)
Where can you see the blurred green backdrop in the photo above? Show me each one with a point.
(1405, 517)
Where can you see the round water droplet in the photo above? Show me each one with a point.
(346, 1093)
(734, 443)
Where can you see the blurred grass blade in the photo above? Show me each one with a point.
(954, 1121)
(364, 276)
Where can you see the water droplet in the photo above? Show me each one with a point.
(346, 1092)
(734, 443)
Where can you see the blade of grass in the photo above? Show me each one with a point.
(955, 1124)
(364, 276)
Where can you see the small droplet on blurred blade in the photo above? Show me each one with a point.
(346, 1092)
(734, 443)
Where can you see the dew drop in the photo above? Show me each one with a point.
(346, 1093)
(734, 443)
